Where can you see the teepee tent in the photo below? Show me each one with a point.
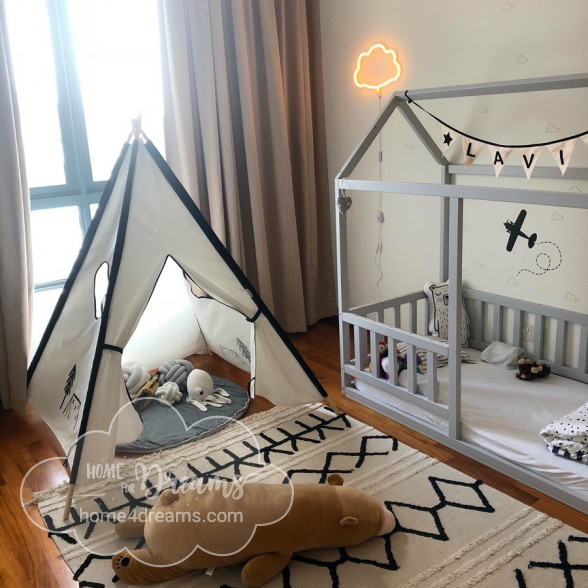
(75, 379)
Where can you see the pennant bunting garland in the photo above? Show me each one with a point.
(499, 155)
(529, 157)
(471, 150)
(449, 138)
(561, 150)
(562, 153)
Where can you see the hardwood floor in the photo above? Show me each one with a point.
(29, 558)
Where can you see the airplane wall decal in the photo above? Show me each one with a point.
(515, 231)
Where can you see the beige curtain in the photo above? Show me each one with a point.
(16, 283)
(245, 134)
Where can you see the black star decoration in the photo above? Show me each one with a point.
(447, 138)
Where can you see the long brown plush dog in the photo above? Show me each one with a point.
(269, 523)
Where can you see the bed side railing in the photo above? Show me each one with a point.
(554, 334)
(364, 327)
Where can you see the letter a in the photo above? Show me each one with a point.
(499, 156)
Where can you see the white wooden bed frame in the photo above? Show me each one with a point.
(492, 317)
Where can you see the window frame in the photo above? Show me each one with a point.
(80, 189)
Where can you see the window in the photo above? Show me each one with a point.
(83, 69)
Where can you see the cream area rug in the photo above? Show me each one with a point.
(452, 530)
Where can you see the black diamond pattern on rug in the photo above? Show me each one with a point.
(430, 523)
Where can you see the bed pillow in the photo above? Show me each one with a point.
(499, 353)
(438, 297)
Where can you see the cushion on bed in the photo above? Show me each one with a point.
(503, 354)
(568, 435)
(438, 301)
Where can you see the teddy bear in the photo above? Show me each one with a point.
(277, 520)
(529, 370)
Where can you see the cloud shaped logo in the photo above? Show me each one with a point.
(377, 67)
(140, 494)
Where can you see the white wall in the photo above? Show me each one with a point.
(449, 43)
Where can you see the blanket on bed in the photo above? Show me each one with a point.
(568, 435)
(421, 354)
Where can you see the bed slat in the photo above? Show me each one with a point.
(583, 359)
(411, 367)
(517, 323)
(432, 384)
(481, 320)
(374, 354)
(396, 316)
(360, 343)
(538, 336)
(497, 323)
(560, 341)
(393, 360)
(412, 317)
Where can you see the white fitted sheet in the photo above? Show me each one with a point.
(504, 415)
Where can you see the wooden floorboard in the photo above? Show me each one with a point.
(29, 558)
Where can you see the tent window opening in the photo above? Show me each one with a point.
(100, 288)
(82, 70)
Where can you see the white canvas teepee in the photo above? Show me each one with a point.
(75, 378)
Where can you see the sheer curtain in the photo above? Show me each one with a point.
(244, 127)
(16, 283)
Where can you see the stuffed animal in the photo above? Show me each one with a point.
(135, 377)
(277, 520)
(529, 370)
(201, 391)
(170, 392)
(402, 361)
(176, 371)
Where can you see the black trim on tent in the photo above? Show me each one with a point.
(101, 345)
(112, 348)
(87, 243)
(255, 316)
(228, 259)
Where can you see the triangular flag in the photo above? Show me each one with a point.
(529, 157)
(449, 138)
(499, 155)
(562, 153)
(471, 150)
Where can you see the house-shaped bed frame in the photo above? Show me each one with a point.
(361, 328)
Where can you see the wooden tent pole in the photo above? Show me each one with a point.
(330, 403)
(68, 499)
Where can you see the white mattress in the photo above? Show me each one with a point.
(504, 415)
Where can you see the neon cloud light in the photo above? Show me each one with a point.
(381, 65)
